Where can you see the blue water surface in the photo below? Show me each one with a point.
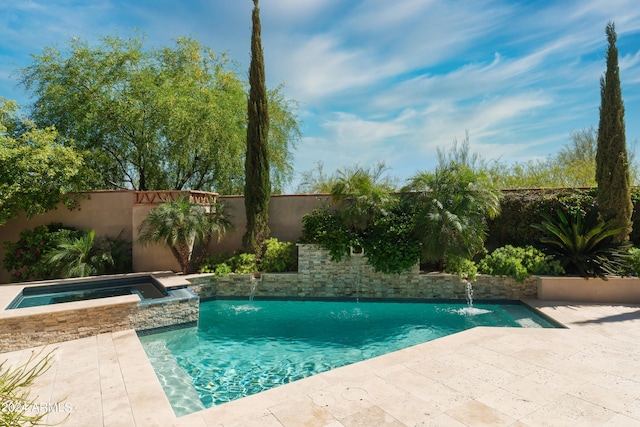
(244, 347)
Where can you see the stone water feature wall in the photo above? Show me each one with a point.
(319, 277)
(30, 327)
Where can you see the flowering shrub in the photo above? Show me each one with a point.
(32, 256)
(25, 258)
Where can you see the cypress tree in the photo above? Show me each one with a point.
(612, 166)
(257, 187)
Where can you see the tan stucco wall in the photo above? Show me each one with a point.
(285, 218)
(112, 212)
(619, 290)
(107, 212)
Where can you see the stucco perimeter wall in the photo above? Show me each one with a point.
(319, 277)
(285, 218)
(621, 290)
(107, 212)
(114, 212)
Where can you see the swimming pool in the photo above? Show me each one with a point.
(146, 287)
(241, 348)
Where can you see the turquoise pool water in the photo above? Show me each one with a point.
(241, 348)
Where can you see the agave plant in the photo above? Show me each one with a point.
(584, 244)
(180, 225)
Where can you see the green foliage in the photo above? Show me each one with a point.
(79, 256)
(362, 196)
(221, 264)
(519, 263)
(324, 227)
(25, 259)
(520, 209)
(257, 186)
(166, 118)
(54, 251)
(39, 169)
(120, 250)
(390, 244)
(316, 181)
(181, 225)
(452, 206)
(278, 256)
(584, 245)
(612, 165)
(243, 263)
(633, 262)
(15, 382)
(463, 267)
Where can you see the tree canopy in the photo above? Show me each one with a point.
(164, 118)
(39, 169)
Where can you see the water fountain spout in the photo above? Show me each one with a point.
(470, 309)
(254, 285)
(356, 256)
(469, 291)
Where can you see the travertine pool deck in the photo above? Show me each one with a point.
(587, 374)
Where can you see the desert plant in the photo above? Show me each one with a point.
(519, 263)
(452, 206)
(584, 245)
(17, 403)
(180, 225)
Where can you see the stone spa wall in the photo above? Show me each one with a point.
(34, 326)
(319, 277)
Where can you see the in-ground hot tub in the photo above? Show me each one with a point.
(42, 314)
(146, 287)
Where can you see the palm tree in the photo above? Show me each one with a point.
(452, 206)
(180, 225)
(78, 256)
(362, 195)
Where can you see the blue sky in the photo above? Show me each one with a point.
(384, 80)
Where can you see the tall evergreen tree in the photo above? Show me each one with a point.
(612, 166)
(257, 188)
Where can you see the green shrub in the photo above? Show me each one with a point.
(520, 209)
(26, 258)
(633, 262)
(325, 228)
(278, 256)
(463, 267)
(33, 256)
(243, 263)
(390, 243)
(519, 263)
(220, 264)
(121, 254)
